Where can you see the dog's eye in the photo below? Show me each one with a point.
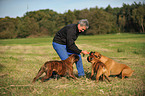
(91, 59)
(96, 56)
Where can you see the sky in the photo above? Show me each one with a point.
(17, 8)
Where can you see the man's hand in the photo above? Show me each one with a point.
(85, 52)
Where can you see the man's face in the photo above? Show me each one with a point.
(81, 28)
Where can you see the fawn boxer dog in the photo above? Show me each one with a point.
(98, 67)
(113, 67)
(62, 68)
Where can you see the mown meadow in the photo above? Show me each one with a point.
(20, 60)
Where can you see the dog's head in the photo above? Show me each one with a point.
(75, 57)
(92, 59)
(96, 54)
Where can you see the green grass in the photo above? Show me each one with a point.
(20, 60)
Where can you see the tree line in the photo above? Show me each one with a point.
(128, 18)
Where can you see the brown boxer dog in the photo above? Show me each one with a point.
(98, 67)
(114, 68)
(62, 68)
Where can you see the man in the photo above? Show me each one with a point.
(64, 43)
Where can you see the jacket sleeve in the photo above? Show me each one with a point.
(71, 43)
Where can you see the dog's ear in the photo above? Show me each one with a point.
(91, 53)
(88, 59)
(77, 57)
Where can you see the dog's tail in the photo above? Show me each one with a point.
(40, 72)
(130, 74)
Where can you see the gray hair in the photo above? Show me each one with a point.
(84, 22)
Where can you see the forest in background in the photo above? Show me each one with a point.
(128, 18)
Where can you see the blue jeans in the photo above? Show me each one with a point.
(64, 53)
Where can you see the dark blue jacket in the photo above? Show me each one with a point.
(67, 36)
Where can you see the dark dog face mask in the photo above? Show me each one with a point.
(91, 58)
(96, 54)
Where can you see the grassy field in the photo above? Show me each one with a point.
(20, 60)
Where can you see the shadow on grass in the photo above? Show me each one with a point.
(55, 76)
(88, 75)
